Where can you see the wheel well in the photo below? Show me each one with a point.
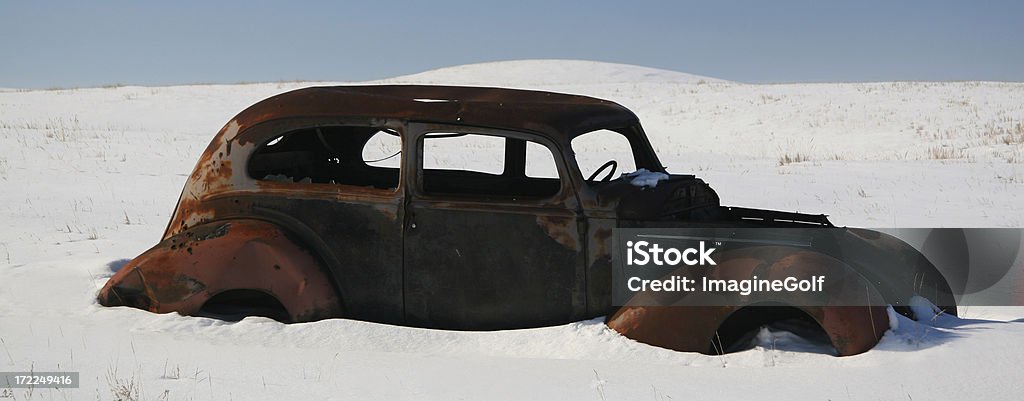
(236, 304)
(735, 333)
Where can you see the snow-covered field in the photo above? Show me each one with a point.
(89, 177)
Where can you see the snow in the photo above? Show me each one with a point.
(645, 178)
(923, 309)
(536, 73)
(894, 319)
(89, 177)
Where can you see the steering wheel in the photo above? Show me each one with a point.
(611, 163)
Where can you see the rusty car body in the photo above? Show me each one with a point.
(286, 215)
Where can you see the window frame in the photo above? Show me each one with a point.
(419, 131)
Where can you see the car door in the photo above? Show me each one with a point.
(336, 187)
(487, 245)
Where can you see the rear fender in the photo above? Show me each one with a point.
(184, 271)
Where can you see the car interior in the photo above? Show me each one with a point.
(455, 164)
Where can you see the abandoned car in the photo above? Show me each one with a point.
(459, 208)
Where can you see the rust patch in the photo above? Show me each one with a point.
(561, 229)
(218, 232)
(193, 285)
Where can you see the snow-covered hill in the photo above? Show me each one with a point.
(89, 177)
(546, 73)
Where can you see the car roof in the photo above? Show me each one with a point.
(558, 116)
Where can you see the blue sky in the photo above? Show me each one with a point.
(73, 43)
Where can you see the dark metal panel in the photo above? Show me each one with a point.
(491, 269)
(599, 266)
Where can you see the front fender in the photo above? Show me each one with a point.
(184, 271)
(898, 271)
(851, 312)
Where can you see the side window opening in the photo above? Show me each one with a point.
(345, 155)
(486, 165)
(464, 152)
(596, 148)
(540, 163)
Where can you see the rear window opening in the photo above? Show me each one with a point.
(343, 155)
(487, 165)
